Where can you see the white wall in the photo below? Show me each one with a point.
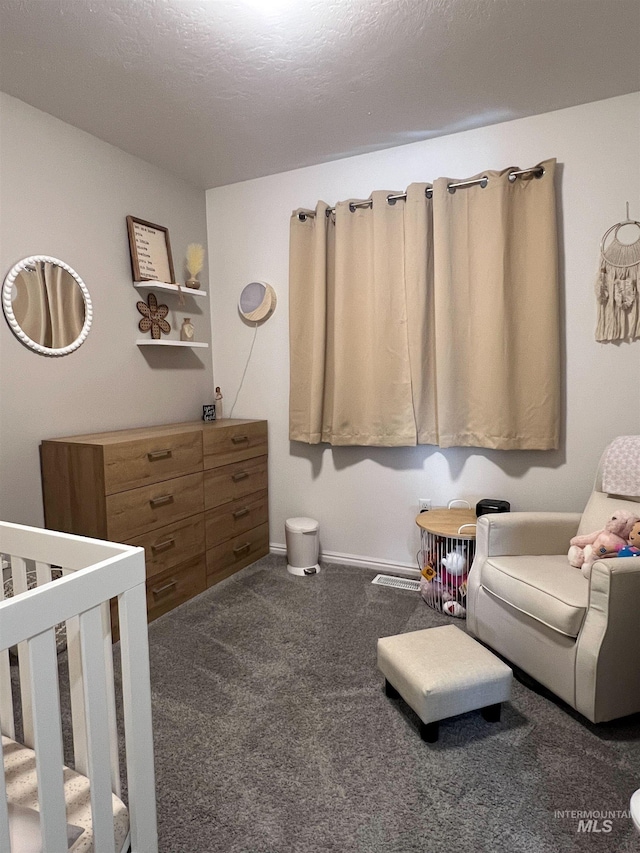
(65, 193)
(365, 498)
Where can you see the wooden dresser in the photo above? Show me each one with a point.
(193, 495)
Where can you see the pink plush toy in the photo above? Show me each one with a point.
(585, 550)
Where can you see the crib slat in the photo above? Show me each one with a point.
(5, 841)
(136, 693)
(43, 573)
(7, 720)
(95, 703)
(6, 697)
(76, 695)
(19, 577)
(19, 574)
(48, 739)
(77, 698)
(107, 643)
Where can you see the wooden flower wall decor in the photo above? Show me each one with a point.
(153, 317)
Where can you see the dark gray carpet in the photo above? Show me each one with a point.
(273, 735)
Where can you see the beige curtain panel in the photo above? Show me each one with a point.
(49, 305)
(497, 312)
(66, 305)
(428, 322)
(360, 371)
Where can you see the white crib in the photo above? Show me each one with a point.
(37, 786)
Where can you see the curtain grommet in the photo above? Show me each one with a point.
(514, 174)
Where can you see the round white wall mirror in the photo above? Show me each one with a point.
(47, 305)
(257, 302)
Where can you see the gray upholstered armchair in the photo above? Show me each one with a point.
(578, 637)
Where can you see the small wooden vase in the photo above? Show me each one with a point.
(193, 283)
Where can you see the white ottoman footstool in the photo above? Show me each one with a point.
(442, 672)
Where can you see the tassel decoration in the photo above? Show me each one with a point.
(617, 291)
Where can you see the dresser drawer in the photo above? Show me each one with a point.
(175, 586)
(140, 462)
(175, 543)
(168, 590)
(236, 553)
(232, 482)
(229, 520)
(225, 443)
(130, 514)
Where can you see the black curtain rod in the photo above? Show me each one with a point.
(537, 171)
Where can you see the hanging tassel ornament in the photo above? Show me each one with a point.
(602, 298)
(617, 287)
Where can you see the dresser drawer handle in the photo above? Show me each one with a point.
(240, 513)
(161, 501)
(163, 546)
(162, 590)
(240, 548)
(241, 475)
(158, 454)
(239, 439)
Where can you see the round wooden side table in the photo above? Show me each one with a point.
(447, 549)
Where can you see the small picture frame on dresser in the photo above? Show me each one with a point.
(209, 412)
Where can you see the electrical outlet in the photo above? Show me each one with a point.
(424, 504)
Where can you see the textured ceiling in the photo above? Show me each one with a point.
(220, 91)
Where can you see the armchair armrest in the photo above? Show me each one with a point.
(618, 566)
(526, 533)
(608, 651)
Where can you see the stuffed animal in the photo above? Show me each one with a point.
(586, 549)
(632, 549)
(453, 576)
(454, 570)
(618, 526)
(432, 592)
(453, 608)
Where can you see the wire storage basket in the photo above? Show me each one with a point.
(447, 549)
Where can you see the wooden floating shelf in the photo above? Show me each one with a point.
(148, 342)
(162, 285)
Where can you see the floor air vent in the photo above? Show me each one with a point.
(398, 583)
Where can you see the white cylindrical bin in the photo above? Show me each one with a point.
(302, 546)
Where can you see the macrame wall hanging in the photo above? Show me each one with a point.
(618, 286)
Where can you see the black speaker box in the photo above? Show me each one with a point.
(492, 505)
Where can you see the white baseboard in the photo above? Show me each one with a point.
(402, 570)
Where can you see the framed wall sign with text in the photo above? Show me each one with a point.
(150, 251)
